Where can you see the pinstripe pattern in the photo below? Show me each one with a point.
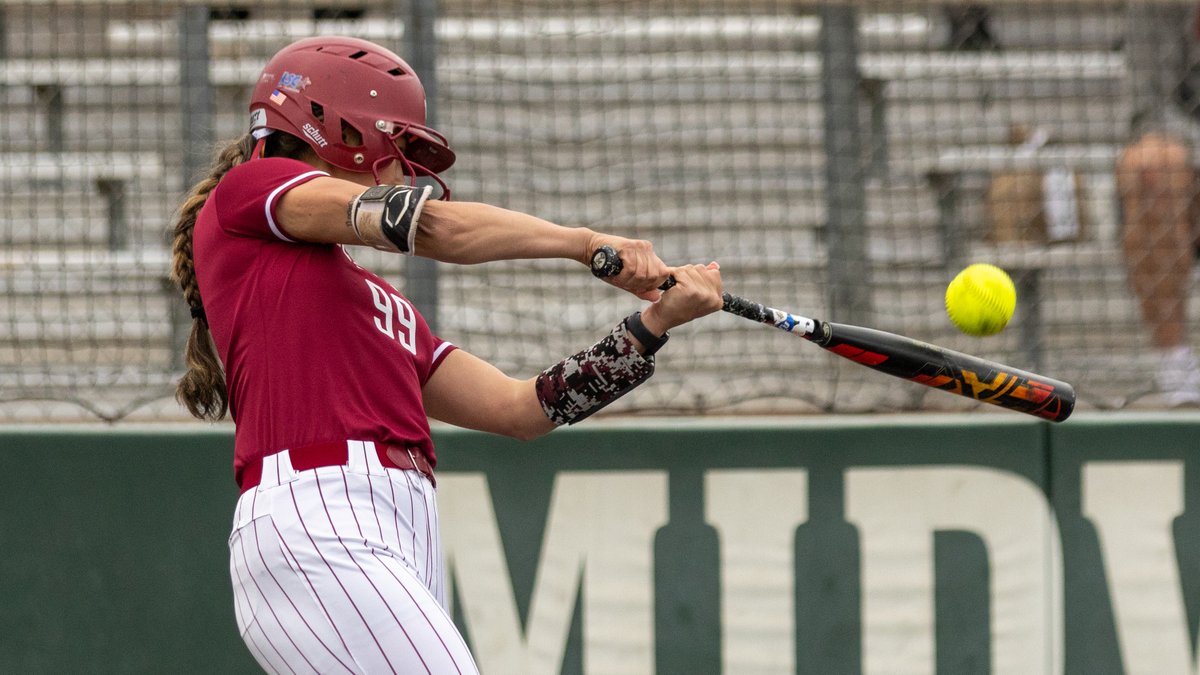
(338, 570)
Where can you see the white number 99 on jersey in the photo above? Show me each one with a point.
(396, 318)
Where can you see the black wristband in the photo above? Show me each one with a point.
(650, 342)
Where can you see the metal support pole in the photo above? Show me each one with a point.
(422, 51)
(845, 179)
(421, 274)
(1029, 304)
(196, 113)
(196, 92)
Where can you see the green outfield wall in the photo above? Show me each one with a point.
(960, 544)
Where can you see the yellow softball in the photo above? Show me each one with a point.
(981, 299)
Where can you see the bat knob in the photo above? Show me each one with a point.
(606, 263)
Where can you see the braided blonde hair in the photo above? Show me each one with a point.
(202, 387)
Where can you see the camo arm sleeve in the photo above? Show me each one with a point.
(583, 383)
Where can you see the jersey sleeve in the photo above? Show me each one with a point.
(247, 196)
(441, 349)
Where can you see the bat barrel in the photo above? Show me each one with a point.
(951, 371)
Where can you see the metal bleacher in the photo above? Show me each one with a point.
(731, 107)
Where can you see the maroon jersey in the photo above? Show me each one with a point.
(315, 348)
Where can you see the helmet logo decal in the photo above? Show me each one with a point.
(258, 118)
(278, 97)
(315, 134)
(293, 82)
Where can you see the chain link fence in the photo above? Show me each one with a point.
(841, 160)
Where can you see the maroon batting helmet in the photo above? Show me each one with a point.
(316, 87)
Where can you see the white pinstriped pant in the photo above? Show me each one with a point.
(338, 570)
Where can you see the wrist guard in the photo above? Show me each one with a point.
(579, 385)
(651, 343)
(386, 216)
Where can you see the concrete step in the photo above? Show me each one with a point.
(550, 32)
(153, 30)
(590, 69)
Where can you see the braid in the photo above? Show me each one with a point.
(202, 387)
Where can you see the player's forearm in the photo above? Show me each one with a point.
(468, 392)
(471, 232)
(512, 411)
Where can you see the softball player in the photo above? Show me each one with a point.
(330, 374)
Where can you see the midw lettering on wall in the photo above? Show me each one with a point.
(597, 558)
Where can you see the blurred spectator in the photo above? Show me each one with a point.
(1035, 205)
(1157, 185)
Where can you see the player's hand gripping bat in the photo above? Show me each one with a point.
(900, 356)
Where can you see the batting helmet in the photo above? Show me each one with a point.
(318, 87)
